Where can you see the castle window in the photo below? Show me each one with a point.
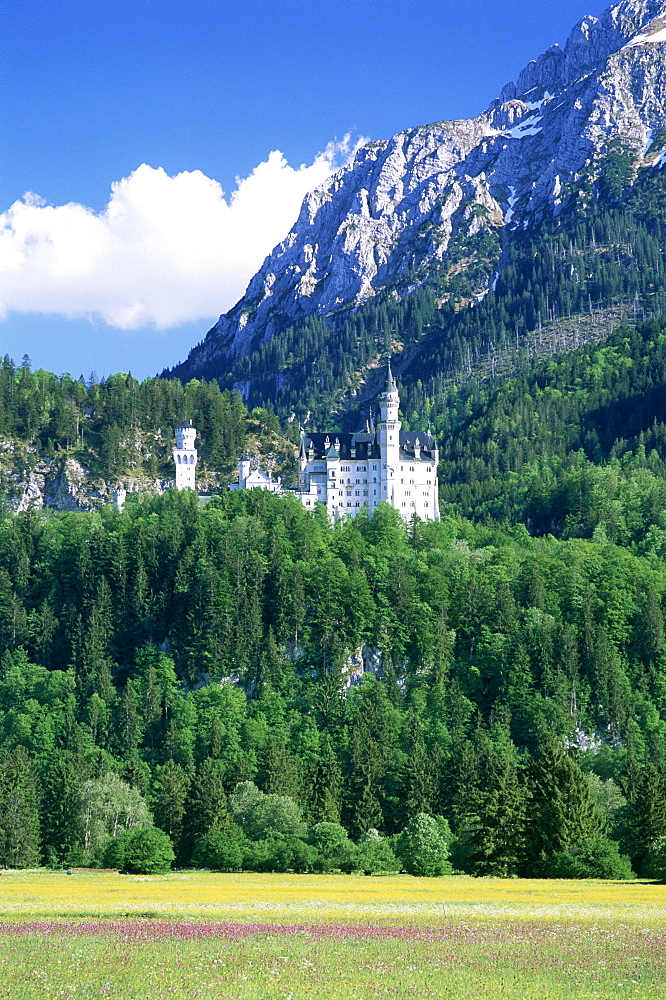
(358, 493)
(374, 468)
(358, 480)
(349, 503)
(341, 493)
(348, 493)
(357, 504)
(365, 493)
(375, 492)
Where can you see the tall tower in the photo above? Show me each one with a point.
(185, 456)
(243, 471)
(388, 433)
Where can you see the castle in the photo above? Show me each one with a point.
(347, 472)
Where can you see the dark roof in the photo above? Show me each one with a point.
(408, 440)
(185, 423)
(367, 445)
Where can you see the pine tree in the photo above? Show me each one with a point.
(560, 812)
(20, 840)
(62, 808)
(647, 813)
(206, 805)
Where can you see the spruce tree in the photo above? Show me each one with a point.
(20, 840)
(560, 811)
(205, 807)
(62, 808)
(647, 813)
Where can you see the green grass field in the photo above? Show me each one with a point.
(280, 937)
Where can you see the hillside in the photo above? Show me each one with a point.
(68, 444)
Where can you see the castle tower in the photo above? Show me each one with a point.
(388, 434)
(243, 471)
(185, 456)
(119, 497)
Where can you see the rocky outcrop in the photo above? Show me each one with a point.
(395, 215)
(66, 485)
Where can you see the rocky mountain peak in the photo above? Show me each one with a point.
(590, 43)
(437, 203)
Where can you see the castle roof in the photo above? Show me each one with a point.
(389, 385)
(366, 446)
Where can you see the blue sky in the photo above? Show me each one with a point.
(174, 102)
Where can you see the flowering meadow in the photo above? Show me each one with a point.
(148, 959)
(280, 937)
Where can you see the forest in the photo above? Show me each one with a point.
(245, 685)
(202, 670)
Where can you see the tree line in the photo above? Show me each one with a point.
(117, 424)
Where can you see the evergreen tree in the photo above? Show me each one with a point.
(62, 808)
(169, 799)
(206, 806)
(560, 812)
(20, 842)
(647, 814)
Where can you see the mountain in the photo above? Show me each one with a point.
(438, 207)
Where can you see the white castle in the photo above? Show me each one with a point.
(347, 472)
(384, 463)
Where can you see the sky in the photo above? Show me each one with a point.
(152, 152)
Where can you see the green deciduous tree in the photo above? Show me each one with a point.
(141, 851)
(422, 847)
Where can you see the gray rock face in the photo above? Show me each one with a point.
(396, 211)
(67, 485)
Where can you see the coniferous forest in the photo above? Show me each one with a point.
(275, 692)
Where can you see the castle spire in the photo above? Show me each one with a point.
(390, 381)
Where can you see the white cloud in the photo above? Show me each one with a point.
(165, 250)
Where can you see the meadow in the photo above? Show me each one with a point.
(282, 937)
